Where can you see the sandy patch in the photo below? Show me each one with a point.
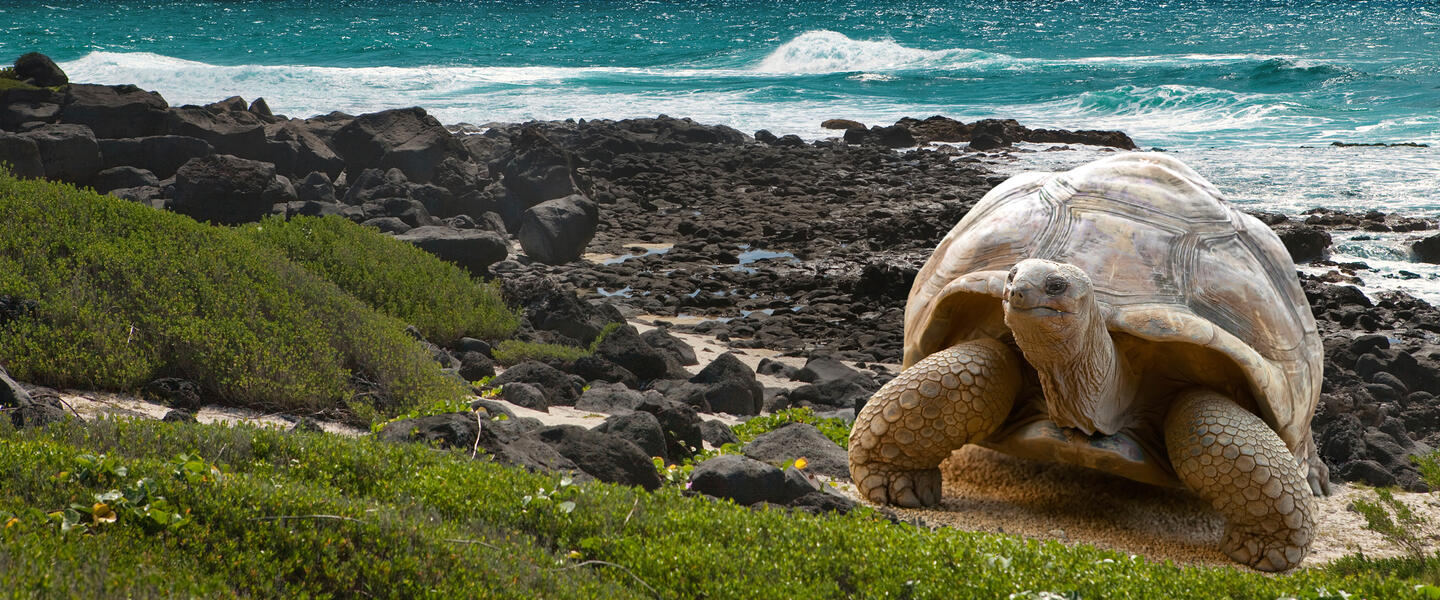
(992, 492)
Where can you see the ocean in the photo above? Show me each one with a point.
(1249, 93)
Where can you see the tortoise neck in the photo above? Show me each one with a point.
(1080, 371)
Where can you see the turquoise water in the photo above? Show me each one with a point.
(1249, 93)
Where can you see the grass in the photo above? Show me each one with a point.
(127, 293)
(271, 514)
(394, 277)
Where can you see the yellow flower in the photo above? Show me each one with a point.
(103, 513)
(801, 462)
(12, 522)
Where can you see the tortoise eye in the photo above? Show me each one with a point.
(1009, 277)
(1056, 285)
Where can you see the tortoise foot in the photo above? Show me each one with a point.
(911, 489)
(951, 398)
(1262, 548)
(1229, 456)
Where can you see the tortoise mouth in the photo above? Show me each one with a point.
(1041, 310)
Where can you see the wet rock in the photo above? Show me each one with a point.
(227, 190)
(841, 124)
(801, 440)
(37, 69)
(468, 248)
(556, 231)
(605, 457)
(640, 428)
(1427, 249)
(1306, 243)
(730, 386)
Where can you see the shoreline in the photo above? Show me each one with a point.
(802, 249)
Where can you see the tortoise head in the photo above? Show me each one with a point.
(1050, 307)
(1048, 302)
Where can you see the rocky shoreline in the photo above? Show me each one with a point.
(757, 241)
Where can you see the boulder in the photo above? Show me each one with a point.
(556, 231)
(610, 398)
(525, 395)
(174, 392)
(681, 425)
(162, 155)
(238, 133)
(316, 187)
(115, 111)
(503, 440)
(408, 139)
(660, 339)
(1305, 243)
(226, 189)
(388, 225)
(801, 440)
(730, 386)
(472, 249)
(624, 346)
(717, 434)
(539, 171)
(640, 428)
(841, 124)
(18, 115)
(68, 152)
(559, 388)
(21, 155)
(595, 368)
(180, 415)
(1427, 250)
(123, 177)
(37, 69)
(745, 480)
(605, 457)
(297, 152)
(475, 366)
(936, 129)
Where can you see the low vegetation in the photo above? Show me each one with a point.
(393, 277)
(514, 352)
(125, 293)
(271, 513)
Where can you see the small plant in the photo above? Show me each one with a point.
(1395, 521)
(560, 497)
(439, 407)
(837, 430)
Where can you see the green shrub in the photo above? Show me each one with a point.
(836, 429)
(394, 277)
(127, 293)
(313, 514)
(514, 352)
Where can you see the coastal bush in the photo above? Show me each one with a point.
(393, 277)
(514, 352)
(126, 293)
(300, 514)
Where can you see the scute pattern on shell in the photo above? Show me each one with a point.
(1169, 258)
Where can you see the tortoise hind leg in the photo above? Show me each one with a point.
(951, 398)
(1230, 457)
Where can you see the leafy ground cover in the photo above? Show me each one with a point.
(270, 513)
(125, 293)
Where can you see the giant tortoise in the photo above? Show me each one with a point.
(1119, 316)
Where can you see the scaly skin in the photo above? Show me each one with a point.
(951, 398)
(1233, 459)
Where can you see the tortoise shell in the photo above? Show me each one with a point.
(1170, 259)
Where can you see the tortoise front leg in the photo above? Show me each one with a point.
(1230, 457)
(954, 397)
